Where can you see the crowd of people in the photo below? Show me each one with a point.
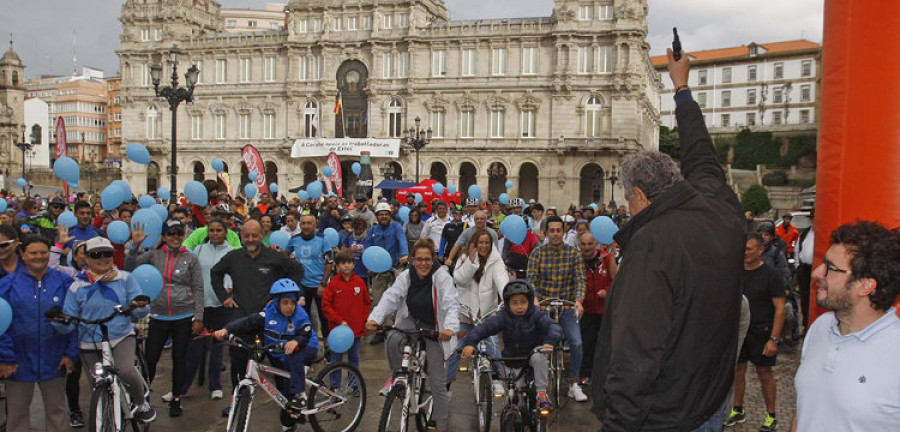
(660, 318)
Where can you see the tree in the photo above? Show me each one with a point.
(756, 199)
(669, 143)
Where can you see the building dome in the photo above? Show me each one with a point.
(10, 57)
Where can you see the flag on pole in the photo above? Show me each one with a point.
(338, 104)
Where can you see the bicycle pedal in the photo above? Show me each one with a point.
(431, 425)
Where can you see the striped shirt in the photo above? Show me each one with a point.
(557, 273)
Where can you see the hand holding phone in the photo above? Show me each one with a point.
(676, 44)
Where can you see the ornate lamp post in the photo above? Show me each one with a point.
(417, 139)
(25, 147)
(174, 95)
(613, 178)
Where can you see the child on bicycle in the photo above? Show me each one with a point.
(283, 321)
(347, 301)
(525, 327)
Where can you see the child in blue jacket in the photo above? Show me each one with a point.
(283, 322)
(525, 327)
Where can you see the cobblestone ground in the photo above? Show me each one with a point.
(785, 399)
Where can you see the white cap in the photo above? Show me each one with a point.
(382, 206)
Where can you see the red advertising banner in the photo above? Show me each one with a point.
(254, 163)
(337, 178)
(60, 138)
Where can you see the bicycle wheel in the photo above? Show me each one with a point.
(240, 411)
(394, 416)
(510, 420)
(558, 378)
(425, 401)
(345, 381)
(484, 401)
(102, 417)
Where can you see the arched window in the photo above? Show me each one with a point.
(592, 117)
(199, 171)
(311, 120)
(395, 113)
(152, 177)
(152, 123)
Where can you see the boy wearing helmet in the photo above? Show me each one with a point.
(525, 327)
(282, 321)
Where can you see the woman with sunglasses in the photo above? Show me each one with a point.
(9, 257)
(177, 312)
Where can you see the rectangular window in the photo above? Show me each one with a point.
(439, 63)
(702, 77)
(220, 126)
(805, 93)
(778, 95)
(726, 98)
(117, 116)
(528, 124)
(403, 20)
(394, 124)
(469, 56)
(251, 23)
(245, 69)
(318, 64)
(303, 68)
(606, 12)
(751, 73)
(388, 21)
(367, 22)
(804, 116)
(726, 120)
(338, 24)
(806, 68)
(388, 63)
(231, 23)
(751, 96)
(498, 61)
(196, 127)
(145, 75)
(592, 123)
(402, 64)
(244, 126)
(726, 75)
(317, 25)
(497, 123)
(270, 69)
(302, 26)
(311, 123)
(605, 55)
(779, 70)
(145, 35)
(275, 26)
(529, 61)
(353, 23)
(467, 124)
(585, 59)
(152, 126)
(437, 124)
(269, 126)
(751, 119)
(776, 117)
(585, 12)
(157, 34)
(118, 132)
(701, 99)
(221, 71)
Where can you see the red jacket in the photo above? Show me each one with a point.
(789, 236)
(598, 278)
(347, 301)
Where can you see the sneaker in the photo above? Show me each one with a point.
(387, 387)
(216, 395)
(497, 389)
(290, 428)
(576, 393)
(377, 339)
(175, 409)
(297, 403)
(736, 416)
(76, 419)
(770, 424)
(146, 413)
(168, 344)
(544, 404)
(168, 397)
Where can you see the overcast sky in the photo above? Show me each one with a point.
(43, 30)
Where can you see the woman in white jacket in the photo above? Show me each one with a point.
(480, 276)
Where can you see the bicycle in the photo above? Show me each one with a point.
(408, 394)
(336, 398)
(521, 412)
(555, 307)
(482, 376)
(111, 405)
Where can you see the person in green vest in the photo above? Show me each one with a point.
(200, 235)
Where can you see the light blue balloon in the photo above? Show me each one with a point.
(330, 194)
(314, 189)
(273, 188)
(21, 182)
(118, 232)
(250, 190)
(451, 189)
(218, 165)
(124, 187)
(340, 339)
(514, 229)
(196, 193)
(163, 193)
(279, 239)
(303, 195)
(603, 229)
(152, 224)
(146, 201)
(331, 237)
(376, 259)
(419, 198)
(3, 205)
(437, 188)
(253, 176)
(504, 198)
(327, 172)
(403, 213)
(356, 168)
(475, 191)
(138, 153)
(67, 219)
(66, 169)
(509, 184)
(594, 206)
(111, 197)
(73, 185)
(161, 210)
(149, 279)
(6, 316)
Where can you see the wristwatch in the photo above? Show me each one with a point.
(775, 339)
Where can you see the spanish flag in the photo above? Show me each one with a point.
(338, 104)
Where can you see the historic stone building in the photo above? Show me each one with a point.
(12, 112)
(552, 103)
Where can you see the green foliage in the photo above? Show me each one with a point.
(669, 142)
(775, 178)
(723, 145)
(762, 148)
(756, 199)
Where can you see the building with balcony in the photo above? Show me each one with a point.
(273, 17)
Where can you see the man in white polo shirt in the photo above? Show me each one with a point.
(848, 378)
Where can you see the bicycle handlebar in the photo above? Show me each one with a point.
(56, 314)
(240, 343)
(557, 302)
(430, 334)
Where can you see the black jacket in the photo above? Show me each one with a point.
(252, 277)
(666, 351)
(521, 334)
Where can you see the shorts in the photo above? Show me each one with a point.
(752, 350)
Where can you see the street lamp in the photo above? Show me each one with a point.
(417, 139)
(613, 178)
(25, 147)
(90, 169)
(174, 95)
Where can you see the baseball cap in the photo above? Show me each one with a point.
(224, 209)
(173, 225)
(57, 201)
(531, 201)
(98, 244)
(471, 201)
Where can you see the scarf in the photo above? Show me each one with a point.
(98, 283)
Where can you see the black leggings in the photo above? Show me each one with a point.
(313, 294)
(160, 330)
(73, 386)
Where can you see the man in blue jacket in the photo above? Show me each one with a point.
(390, 236)
(31, 351)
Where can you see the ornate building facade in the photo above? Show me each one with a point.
(553, 103)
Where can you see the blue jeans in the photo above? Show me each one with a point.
(352, 358)
(716, 423)
(493, 350)
(572, 331)
(295, 364)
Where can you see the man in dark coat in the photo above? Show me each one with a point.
(665, 356)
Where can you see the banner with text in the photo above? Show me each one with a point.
(312, 147)
(254, 164)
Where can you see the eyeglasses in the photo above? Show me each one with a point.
(3, 245)
(829, 267)
(175, 233)
(422, 260)
(100, 254)
(58, 207)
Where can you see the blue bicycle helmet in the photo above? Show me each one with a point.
(284, 286)
(518, 286)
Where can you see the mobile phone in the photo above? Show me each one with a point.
(676, 44)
